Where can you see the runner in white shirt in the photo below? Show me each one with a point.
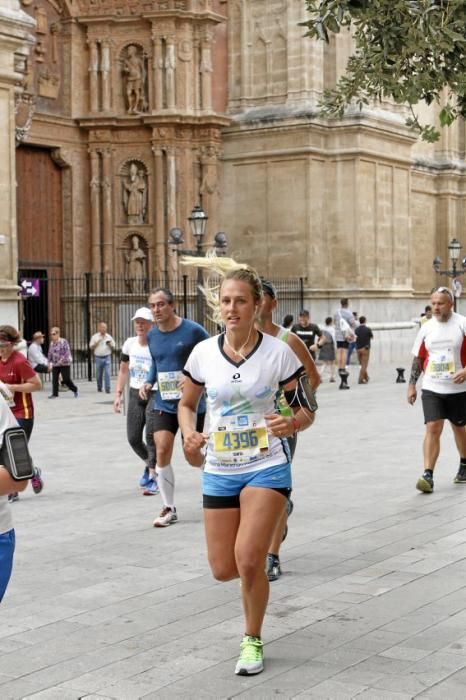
(440, 353)
(247, 475)
(135, 363)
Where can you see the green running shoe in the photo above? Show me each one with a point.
(425, 483)
(251, 658)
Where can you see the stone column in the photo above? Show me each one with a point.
(159, 199)
(107, 231)
(93, 76)
(95, 185)
(157, 72)
(15, 41)
(206, 71)
(106, 78)
(170, 67)
(171, 204)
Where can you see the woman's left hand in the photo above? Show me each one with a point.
(280, 426)
(192, 446)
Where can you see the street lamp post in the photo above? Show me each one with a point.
(454, 248)
(197, 221)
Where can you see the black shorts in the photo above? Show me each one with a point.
(161, 420)
(451, 407)
(342, 344)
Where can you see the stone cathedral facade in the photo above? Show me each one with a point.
(130, 112)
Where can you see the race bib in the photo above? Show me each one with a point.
(441, 365)
(239, 439)
(168, 383)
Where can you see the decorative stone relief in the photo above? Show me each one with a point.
(135, 261)
(128, 8)
(134, 69)
(134, 192)
(209, 183)
(48, 84)
(24, 109)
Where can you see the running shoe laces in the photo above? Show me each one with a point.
(251, 658)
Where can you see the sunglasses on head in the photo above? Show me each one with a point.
(443, 290)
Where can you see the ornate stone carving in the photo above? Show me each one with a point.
(134, 192)
(209, 184)
(135, 79)
(135, 259)
(185, 50)
(128, 8)
(42, 24)
(24, 109)
(48, 84)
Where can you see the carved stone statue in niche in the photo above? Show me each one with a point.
(135, 195)
(209, 183)
(136, 265)
(135, 80)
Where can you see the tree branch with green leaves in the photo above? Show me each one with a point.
(406, 50)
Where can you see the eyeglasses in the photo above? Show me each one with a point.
(5, 344)
(54, 333)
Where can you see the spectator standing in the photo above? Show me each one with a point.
(59, 356)
(344, 333)
(364, 336)
(102, 345)
(427, 315)
(307, 331)
(20, 380)
(352, 343)
(36, 357)
(327, 349)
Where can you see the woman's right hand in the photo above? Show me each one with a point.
(144, 391)
(117, 403)
(192, 446)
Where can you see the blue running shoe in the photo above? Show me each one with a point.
(151, 489)
(145, 478)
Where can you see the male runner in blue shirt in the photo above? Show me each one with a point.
(170, 344)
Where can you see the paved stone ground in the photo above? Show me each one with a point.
(372, 603)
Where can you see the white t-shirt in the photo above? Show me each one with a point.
(102, 345)
(442, 349)
(239, 395)
(140, 361)
(7, 420)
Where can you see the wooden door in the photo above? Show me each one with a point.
(40, 234)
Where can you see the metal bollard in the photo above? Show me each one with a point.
(400, 378)
(344, 379)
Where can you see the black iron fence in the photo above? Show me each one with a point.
(76, 305)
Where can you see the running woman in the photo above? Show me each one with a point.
(20, 380)
(247, 474)
(135, 362)
(170, 344)
(440, 353)
(265, 323)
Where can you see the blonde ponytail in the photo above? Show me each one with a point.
(220, 269)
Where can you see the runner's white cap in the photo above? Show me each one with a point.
(144, 313)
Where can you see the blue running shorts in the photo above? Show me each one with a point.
(223, 490)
